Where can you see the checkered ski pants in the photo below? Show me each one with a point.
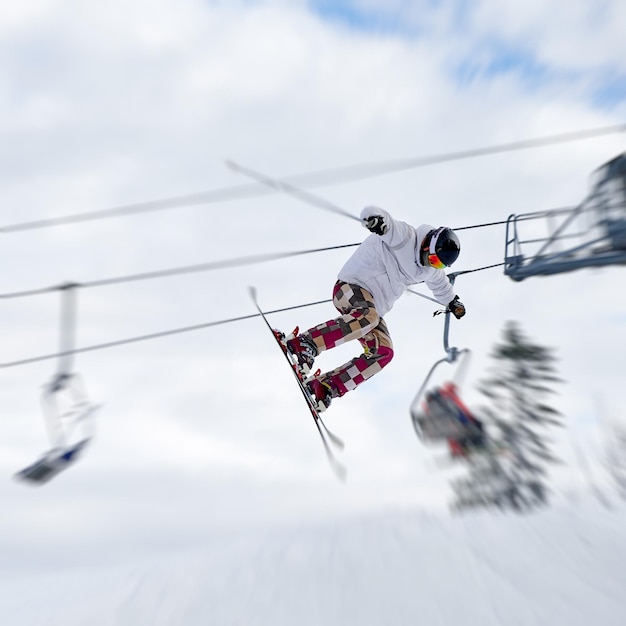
(359, 320)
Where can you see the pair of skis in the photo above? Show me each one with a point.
(330, 441)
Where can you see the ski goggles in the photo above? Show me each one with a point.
(436, 262)
(433, 258)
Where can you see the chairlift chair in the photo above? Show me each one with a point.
(69, 418)
(592, 234)
(433, 422)
(68, 413)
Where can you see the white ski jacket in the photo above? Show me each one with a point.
(386, 264)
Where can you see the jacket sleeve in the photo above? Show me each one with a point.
(440, 286)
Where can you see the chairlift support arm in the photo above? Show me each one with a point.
(452, 354)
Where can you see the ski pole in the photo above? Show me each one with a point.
(300, 194)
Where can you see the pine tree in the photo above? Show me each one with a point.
(521, 378)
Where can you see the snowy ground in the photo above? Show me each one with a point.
(562, 566)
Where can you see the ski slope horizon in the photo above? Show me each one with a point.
(562, 565)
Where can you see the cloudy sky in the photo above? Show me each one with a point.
(106, 105)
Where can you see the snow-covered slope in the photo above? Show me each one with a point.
(562, 566)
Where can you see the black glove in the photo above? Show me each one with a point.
(376, 224)
(457, 308)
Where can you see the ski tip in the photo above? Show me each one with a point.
(339, 443)
(252, 292)
(340, 471)
(338, 468)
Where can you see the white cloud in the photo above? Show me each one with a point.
(14, 17)
(575, 36)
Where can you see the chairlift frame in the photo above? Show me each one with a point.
(68, 414)
(592, 234)
(452, 355)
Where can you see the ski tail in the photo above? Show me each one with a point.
(325, 434)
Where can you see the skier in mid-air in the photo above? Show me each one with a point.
(394, 257)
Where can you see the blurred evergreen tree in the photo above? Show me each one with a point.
(512, 474)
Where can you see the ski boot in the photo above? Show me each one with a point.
(321, 393)
(301, 350)
(304, 350)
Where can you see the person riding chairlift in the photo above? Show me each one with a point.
(473, 436)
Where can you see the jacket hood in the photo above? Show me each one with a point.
(420, 234)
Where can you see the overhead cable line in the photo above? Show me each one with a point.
(452, 277)
(477, 269)
(380, 168)
(205, 267)
(311, 179)
(120, 342)
(481, 225)
(165, 333)
(521, 218)
(175, 271)
(232, 192)
(320, 202)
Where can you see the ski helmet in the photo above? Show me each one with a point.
(440, 248)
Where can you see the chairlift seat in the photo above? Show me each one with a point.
(438, 429)
(52, 463)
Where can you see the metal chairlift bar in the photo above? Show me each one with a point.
(538, 268)
(572, 251)
(524, 217)
(67, 335)
(451, 352)
(542, 239)
(563, 225)
(516, 259)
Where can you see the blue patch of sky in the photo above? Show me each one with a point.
(494, 59)
(392, 18)
(370, 19)
(461, 16)
(610, 92)
(491, 61)
(491, 58)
